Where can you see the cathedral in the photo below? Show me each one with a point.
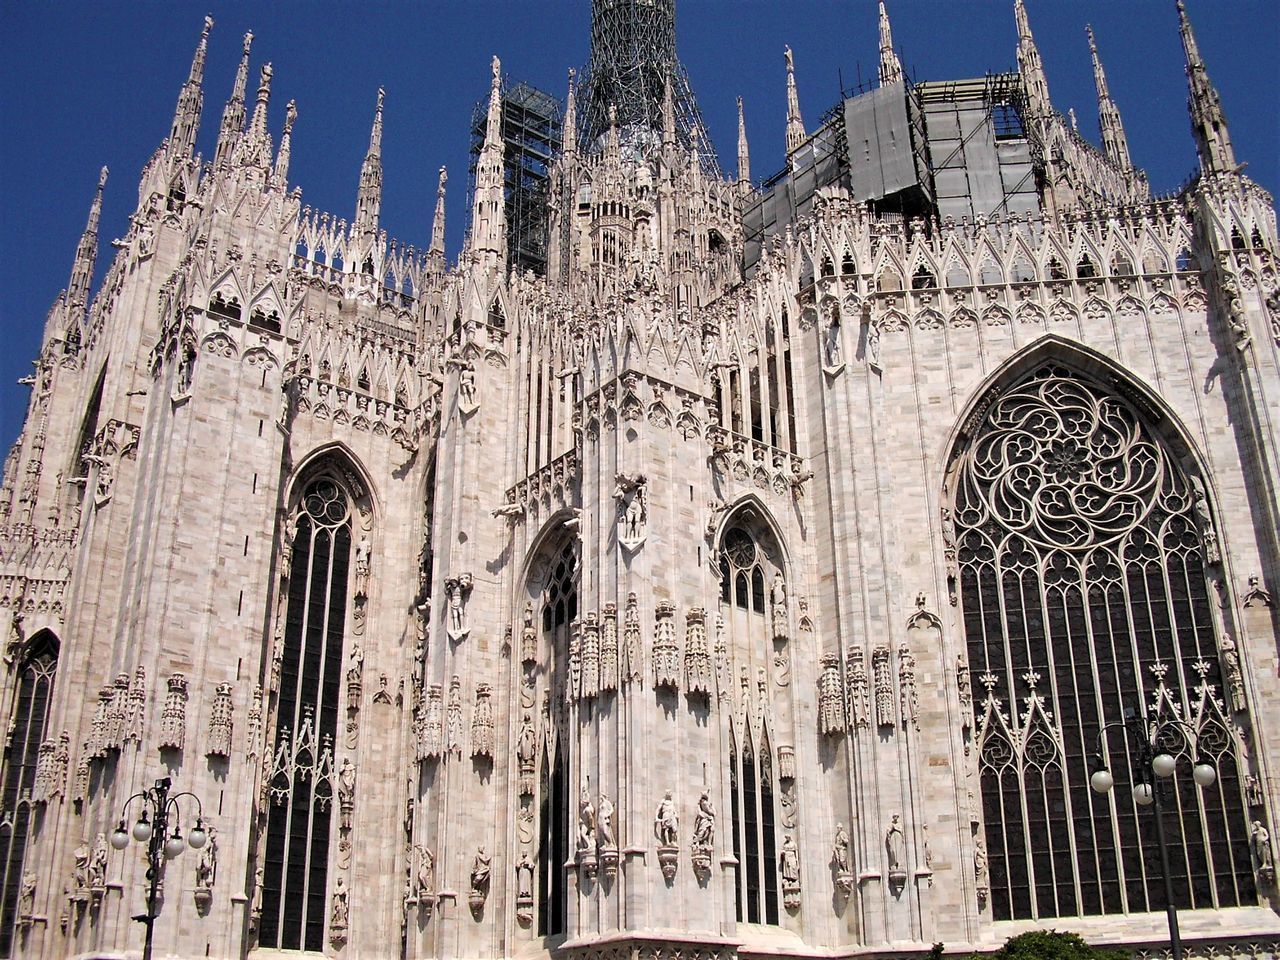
(877, 555)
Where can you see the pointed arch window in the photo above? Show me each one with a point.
(309, 670)
(1082, 560)
(559, 612)
(749, 564)
(26, 732)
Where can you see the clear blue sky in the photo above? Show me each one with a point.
(86, 84)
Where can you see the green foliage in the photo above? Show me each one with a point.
(1052, 945)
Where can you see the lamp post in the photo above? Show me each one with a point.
(1154, 764)
(162, 845)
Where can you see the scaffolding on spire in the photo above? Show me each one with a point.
(633, 53)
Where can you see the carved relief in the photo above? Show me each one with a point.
(631, 495)
(666, 651)
(430, 740)
(780, 617)
(528, 638)
(135, 715)
(632, 645)
(1230, 660)
(590, 655)
(856, 696)
(220, 723)
(884, 686)
(453, 719)
(907, 687)
(697, 660)
(206, 871)
(458, 591)
(831, 719)
(609, 648)
(173, 716)
(482, 724)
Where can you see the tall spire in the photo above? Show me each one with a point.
(86, 253)
(1114, 142)
(233, 113)
(186, 118)
(668, 115)
(257, 141)
(369, 197)
(795, 123)
(890, 66)
(489, 212)
(286, 143)
(1034, 82)
(1213, 141)
(437, 222)
(570, 125)
(744, 155)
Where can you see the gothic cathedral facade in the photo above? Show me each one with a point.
(719, 592)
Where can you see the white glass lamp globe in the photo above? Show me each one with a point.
(197, 837)
(1164, 764)
(1204, 774)
(120, 837)
(1101, 781)
(1144, 794)
(142, 829)
(173, 846)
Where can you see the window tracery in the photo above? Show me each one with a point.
(300, 782)
(1082, 566)
(26, 733)
(750, 559)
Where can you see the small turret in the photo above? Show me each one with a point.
(186, 118)
(570, 127)
(286, 144)
(1030, 66)
(489, 212)
(255, 146)
(436, 250)
(369, 196)
(77, 296)
(890, 65)
(744, 155)
(1114, 142)
(668, 114)
(1208, 124)
(233, 114)
(795, 123)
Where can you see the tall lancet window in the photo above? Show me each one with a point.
(301, 783)
(1082, 542)
(750, 566)
(26, 733)
(559, 611)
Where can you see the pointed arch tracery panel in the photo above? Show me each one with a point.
(27, 724)
(1082, 560)
(751, 593)
(300, 785)
(557, 607)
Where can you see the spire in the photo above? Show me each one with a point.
(744, 156)
(489, 212)
(890, 66)
(612, 146)
(256, 143)
(86, 253)
(186, 118)
(369, 198)
(795, 123)
(1034, 82)
(570, 126)
(668, 114)
(437, 222)
(286, 143)
(233, 113)
(1114, 142)
(1213, 141)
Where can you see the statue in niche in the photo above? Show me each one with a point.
(789, 867)
(1231, 671)
(831, 342)
(1260, 839)
(528, 637)
(631, 494)
(97, 872)
(840, 850)
(1208, 535)
(467, 399)
(586, 821)
(426, 878)
(346, 792)
(524, 878)
(895, 843)
(704, 824)
(458, 589)
(527, 754)
(604, 824)
(355, 674)
(27, 897)
(338, 912)
(364, 550)
(667, 822)
(479, 879)
(778, 603)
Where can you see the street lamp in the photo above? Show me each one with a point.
(152, 828)
(1154, 765)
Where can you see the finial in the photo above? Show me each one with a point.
(496, 66)
(290, 116)
(233, 113)
(437, 223)
(375, 134)
(102, 178)
(1030, 65)
(668, 112)
(744, 157)
(186, 117)
(890, 65)
(795, 123)
(1208, 122)
(569, 129)
(286, 142)
(1114, 142)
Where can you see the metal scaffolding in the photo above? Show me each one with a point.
(531, 134)
(633, 52)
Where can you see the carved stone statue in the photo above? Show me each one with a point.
(355, 675)
(1260, 839)
(479, 879)
(426, 876)
(524, 877)
(98, 864)
(27, 896)
(895, 844)
(840, 850)
(586, 821)
(666, 824)
(789, 867)
(605, 835)
(704, 824)
(346, 792)
(339, 911)
(207, 865)
(527, 755)
(1231, 671)
(778, 604)
(458, 589)
(364, 549)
